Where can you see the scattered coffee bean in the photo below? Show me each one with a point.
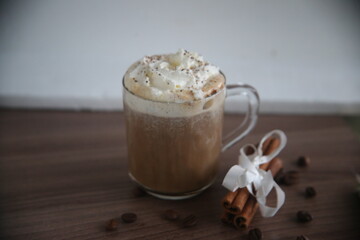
(171, 215)
(139, 192)
(290, 178)
(129, 217)
(303, 161)
(279, 177)
(310, 192)
(255, 234)
(112, 225)
(304, 216)
(302, 237)
(190, 221)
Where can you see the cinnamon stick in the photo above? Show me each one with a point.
(274, 144)
(228, 199)
(239, 201)
(227, 218)
(235, 201)
(244, 219)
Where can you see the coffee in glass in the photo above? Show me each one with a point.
(173, 107)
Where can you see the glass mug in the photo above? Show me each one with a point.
(173, 148)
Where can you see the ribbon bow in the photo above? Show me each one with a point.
(258, 182)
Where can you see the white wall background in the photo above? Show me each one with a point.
(302, 56)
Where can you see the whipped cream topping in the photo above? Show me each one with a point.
(179, 77)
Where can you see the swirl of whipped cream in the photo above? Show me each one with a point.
(179, 77)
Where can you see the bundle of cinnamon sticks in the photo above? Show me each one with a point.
(240, 206)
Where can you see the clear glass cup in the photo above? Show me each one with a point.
(173, 148)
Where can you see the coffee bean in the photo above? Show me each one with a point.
(129, 217)
(303, 161)
(255, 234)
(139, 192)
(302, 237)
(310, 192)
(304, 216)
(112, 225)
(190, 221)
(171, 215)
(290, 178)
(279, 177)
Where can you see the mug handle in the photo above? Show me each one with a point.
(251, 116)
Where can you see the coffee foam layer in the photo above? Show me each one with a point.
(212, 104)
(180, 77)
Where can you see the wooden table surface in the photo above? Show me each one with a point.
(63, 175)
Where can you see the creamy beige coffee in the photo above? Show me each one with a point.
(174, 112)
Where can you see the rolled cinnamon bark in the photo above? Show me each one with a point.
(244, 219)
(239, 201)
(272, 146)
(228, 199)
(227, 218)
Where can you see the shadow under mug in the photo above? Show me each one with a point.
(173, 148)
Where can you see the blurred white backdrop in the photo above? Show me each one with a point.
(302, 56)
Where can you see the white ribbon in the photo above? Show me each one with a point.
(248, 174)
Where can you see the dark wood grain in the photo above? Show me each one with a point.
(63, 175)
